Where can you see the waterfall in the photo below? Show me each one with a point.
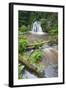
(36, 28)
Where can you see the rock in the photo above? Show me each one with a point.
(28, 75)
(51, 55)
(51, 71)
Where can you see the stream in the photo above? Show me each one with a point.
(50, 61)
(28, 75)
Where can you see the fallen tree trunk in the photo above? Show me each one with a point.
(31, 67)
(38, 43)
(31, 46)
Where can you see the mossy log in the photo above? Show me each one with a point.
(30, 46)
(32, 68)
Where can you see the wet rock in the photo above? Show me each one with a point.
(28, 75)
(51, 55)
(51, 71)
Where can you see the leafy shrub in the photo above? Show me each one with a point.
(53, 36)
(23, 28)
(36, 56)
(23, 42)
(53, 32)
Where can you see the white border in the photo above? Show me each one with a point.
(60, 45)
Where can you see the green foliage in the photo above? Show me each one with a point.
(23, 17)
(53, 35)
(49, 20)
(23, 42)
(20, 70)
(44, 24)
(23, 28)
(36, 56)
(53, 39)
(53, 31)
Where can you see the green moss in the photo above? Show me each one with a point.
(39, 45)
(40, 67)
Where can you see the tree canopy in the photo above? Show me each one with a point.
(49, 20)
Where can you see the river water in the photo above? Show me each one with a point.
(50, 61)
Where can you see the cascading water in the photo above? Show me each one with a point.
(36, 28)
